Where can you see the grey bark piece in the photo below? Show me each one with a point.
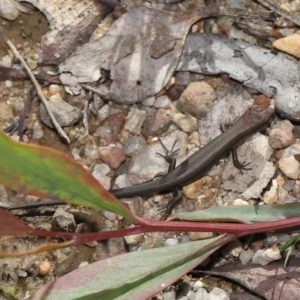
(141, 49)
(252, 182)
(147, 164)
(65, 114)
(253, 66)
(71, 23)
(224, 111)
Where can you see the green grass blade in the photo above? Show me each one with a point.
(47, 173)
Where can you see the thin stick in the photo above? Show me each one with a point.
(282, 12)
(38, 90)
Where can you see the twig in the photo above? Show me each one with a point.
(282, 12)
(38, 90)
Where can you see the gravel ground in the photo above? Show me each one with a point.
(123, 130)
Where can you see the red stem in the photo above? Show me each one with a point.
(151, 225)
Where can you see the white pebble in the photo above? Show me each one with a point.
(162, 102)
(149, 101)
(6, 61)
(171, 242)
(101, 169)
(8, 84)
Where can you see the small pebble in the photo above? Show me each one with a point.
(246, 256)
(8, 84)
(133, 239)
(149, 101)
(264, 257)
(162, 101)
(218, 294)
(171, 242)
(22, 273)
(135, 120)
(235, 248)
(44, 268)
(83, 264)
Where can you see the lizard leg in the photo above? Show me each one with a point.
(169, 156)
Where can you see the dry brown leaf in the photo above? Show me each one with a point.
(141, 49)
(71, 22)
(273, 282)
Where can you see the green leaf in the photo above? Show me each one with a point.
(47, 173)
(243, 213)
(136, 275)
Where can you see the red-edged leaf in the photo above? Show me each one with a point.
(47, 173)
(43, 248)
(136, 275)
(243, 213)
(10, 225)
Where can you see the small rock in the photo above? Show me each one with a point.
(270, 197)
(99, 172)
(6, 61)
(38, 132)
(218, 294)
(44, 268)
(191, 191)
(65, 114)
(175, 91)
(146, 164)
(162, 101)
(171, 242)
(271, 239)
(289, 44)
(5, 112)
(91, 148)
(135, 120)
(110, 129)
(288, 164)
(136, 205)
(235, 248)
(282, 238)
(8, 84)
(63, 221)
(133, 239)
(288, 103)
(197, 99)
(55, 89)
(194, 139)
(109, 215)
(246, 256)
(103, 112)
(22, 273)
(149, 101)
(201, 294)
(186, 123)
(122, 181)
(83, 264)
(234, 33)
(171, 295)
(264, 257)
(225, 110)
(9, 10)
(113, 156)
(281, 135)
(238, 202)
(156, 124)
(134, 144)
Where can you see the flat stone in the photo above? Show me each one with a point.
(289, 44)
(65, 114)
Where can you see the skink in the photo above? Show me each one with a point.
(197, 165)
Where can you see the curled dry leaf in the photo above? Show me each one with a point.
(272, 282)
(71, 22)
(141, 49)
